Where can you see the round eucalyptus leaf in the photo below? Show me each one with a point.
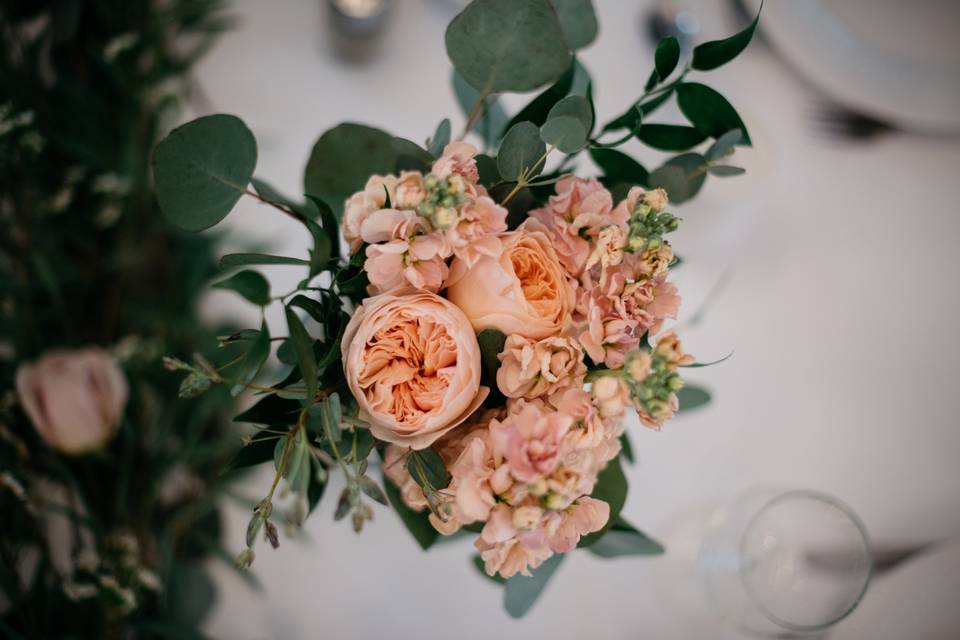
(724, 144)
(202, 168)
(578, 21)
(520, 149)
(574, 106)
(508, 45)
(344, 158)
(682, 176)
(566, 133)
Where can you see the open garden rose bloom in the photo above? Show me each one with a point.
(412, 362)
(524, 291)
(74, 399)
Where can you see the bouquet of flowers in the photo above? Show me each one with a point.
(487, 321)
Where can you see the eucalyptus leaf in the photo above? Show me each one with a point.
(681, 176)
(487, 168)
(611, 487)
(344, 158)
(248, 368)
(578, 21)
(249, 284)
(520, 150)
(243, 259)
(202, 168)
(692, 397)
(623, 539)
(724, 145)
(670, 137)
(725, 171)
(536, 110)
(521, 592)
(440, 138)
(565, 133)
(709, 111)
(715, 53)
(577, 107)
(506, 45)
(666, 57)
(303, 347)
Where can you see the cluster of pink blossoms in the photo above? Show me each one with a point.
(578, 285)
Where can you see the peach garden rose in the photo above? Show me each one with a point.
(524, 291)
(413, 365)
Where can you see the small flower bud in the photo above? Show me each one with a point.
(444, 217)
(430, 182)
(245, 558)
(527, 517)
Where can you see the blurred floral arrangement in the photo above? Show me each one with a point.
(486, 322)
(108, 481)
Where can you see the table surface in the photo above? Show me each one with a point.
(835, 266)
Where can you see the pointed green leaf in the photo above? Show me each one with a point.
(416, 522)
(243, 259)
(303, 347)
(521, 592)
(505, 45)
(426, 465)
(537, 109)
(202, 168)
(578, 21)
(670, 137)
(666, 57)
(440, 138)
(692, 397)
(619, 167)
(711, 55)
(249, 284)
(249, 366)
(259, 450)
(709, 111)
(725, 171)
(272, 411)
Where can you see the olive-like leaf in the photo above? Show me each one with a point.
(248, 368)
(202, 168)
(506, 45)
(666, 57)
(715, 53)
(249, 284)
(670, 137)
(709, 111)
(619, 167)
(303, 347)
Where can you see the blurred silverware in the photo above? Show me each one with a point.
(837, 121)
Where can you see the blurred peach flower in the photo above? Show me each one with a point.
(530, 440)
(564, 528)
(74, 398)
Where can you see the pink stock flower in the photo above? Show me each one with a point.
(361, 204)
(564, 528)
(530, 439)
(457, 158)
(402, 251)
(533, 368)
(610, 395)
(475, 233)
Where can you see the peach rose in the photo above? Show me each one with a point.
(413, 364)
(523, 291)
(74, 399)
(531, 368)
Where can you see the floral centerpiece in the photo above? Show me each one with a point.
(489, 318)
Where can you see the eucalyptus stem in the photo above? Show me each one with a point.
(522, 181)
(299, 217)
(479, 106)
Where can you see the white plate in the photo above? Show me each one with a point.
(895, 60)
